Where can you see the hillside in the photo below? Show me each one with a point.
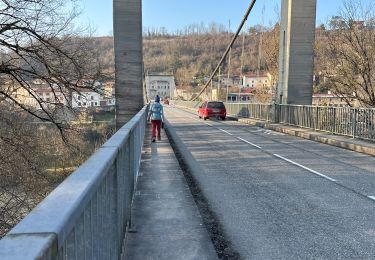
(197, 55)
(191, 56)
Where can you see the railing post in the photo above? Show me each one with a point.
(334, 121)
(275, 113)
(317, 118)
(354, 122)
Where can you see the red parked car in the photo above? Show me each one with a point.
(212, 109)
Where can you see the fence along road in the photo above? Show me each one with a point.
(282, 197)
(86, 217)
(355, 122)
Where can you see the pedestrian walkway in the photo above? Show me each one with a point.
(167, 221)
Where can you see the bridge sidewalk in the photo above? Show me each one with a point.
(168, 223)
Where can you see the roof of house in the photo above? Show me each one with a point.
(247, 90)
(261, 74)
(325, 95)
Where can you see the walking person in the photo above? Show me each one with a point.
(157, 117)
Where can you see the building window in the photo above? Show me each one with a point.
(79, 104)
(79, 97)
(92, 97)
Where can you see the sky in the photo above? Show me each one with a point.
(176, 14)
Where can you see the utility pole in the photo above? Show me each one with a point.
(218, 85)
(211, 89)
(260, 55)
(229, 59)
(241, 75)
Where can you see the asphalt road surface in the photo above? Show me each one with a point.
(282, 197)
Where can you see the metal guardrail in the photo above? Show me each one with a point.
(354, 122)
(87, 216)
(247, 110)
(250, 110)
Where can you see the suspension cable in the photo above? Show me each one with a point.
(228, 48)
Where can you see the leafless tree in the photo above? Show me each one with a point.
(271, 51)
(348, 55)
(34, 159)
(39, 42)
(263, 94)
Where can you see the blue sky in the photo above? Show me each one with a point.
(175, 14)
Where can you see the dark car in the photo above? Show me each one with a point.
(212, 109)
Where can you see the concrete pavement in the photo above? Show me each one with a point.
(346, 142)
(268, 208)
(167, 220)
(277, 196)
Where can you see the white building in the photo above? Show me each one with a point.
(48, 97)
(252, 80)
(41, 95)
(231, 81)
(107, 101)
(162, 85)
(85, 98)
(52, 96)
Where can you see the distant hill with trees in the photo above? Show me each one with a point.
(344, 52)
(194, 52)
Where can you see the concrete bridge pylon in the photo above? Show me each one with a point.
(127, 33)
(296, 53)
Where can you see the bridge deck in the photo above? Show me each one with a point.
(168, 223)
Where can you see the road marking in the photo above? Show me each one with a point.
(250, 143)
(257, 146)
(281, 157)
(371, 197)
(225, 131)
(304, 167)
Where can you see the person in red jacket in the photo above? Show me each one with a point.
(157, 117)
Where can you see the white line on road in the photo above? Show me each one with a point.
(281, 157)
(371, 197)
(225, 131)
(250, 143)
(304, 167)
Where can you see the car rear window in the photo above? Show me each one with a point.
(215, 105)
